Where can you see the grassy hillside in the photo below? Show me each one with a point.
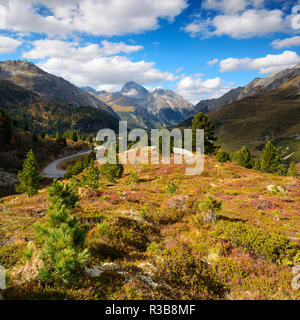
(148, 244)
(253, 121)
(49, 116)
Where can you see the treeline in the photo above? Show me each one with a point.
(7, 125)
(270, 161)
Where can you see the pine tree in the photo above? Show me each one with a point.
(61, 239)
(256, 165)
(282, 170)
(223, 156)
(29, 177)
(243, 158)
(112, 172)
(270, 161)
(293, 170)
(201, 121)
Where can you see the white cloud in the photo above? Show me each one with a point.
(8, 45)
(108, 87)
(286, 43)
(267, 64)
(63, 49)
(239, 24)
(114, 70)
(227, 6)
(212, 62)
(106, 18)
(194, 89)
(249, 24)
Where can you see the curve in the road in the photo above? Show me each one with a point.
(51, 171)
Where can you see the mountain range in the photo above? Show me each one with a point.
(27, 75)
(257, 86)
(265, 109)
(144, 108)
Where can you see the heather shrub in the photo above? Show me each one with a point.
(133, 178)
(268, 245)
(189, 277)
(164, 215)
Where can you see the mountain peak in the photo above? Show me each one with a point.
(133, 88)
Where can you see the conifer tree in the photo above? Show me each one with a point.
(270, 161)
(61, 239)
(243, 158)
(256, 165)
(29, 177)
(293, 170)
(223, 156)
(282, 170)
(201, 121)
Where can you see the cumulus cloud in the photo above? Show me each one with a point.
(64, 49)
(286, 43)
(195, 88)
(267, 64)
(8, 45)
(112, 70)
(106, 18)
(247, 24)
(230, 6)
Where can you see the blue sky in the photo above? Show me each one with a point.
(200, 49)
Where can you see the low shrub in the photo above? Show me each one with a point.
(271, 246)
(112, 172)
(132, 179)
(210, 209)
(164, 216)
(190, 278)
(171, 188)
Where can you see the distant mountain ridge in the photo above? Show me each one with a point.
(143, 108)
(257, 86)
(43, 115)
(31, 77)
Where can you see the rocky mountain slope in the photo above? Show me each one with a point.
(257, 86)
(30, 77)
(42, 115)
(143, 108)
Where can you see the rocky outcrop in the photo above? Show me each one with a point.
(7, 179)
